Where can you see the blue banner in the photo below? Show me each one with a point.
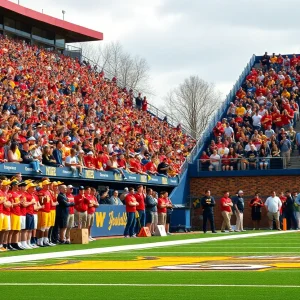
(109, 220)
(12, 168)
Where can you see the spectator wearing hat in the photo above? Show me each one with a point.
(44, 217)
(131, 203)
(14, 198)
(5, 206)
(89, 160)
(124, 194)
(70, 221)
(238, 208)
(27, 158)
(23, 211)
(72, 162)
(62, 213)
(93, 204)
(81, 207)
(31, 201)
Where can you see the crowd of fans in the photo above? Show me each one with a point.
(260, 120)
(57, 111)
(42, 213)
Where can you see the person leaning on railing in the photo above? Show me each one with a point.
(215, 160)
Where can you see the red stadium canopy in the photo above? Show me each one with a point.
(73, 32)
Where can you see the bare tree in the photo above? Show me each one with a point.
(131, 72)
(192, 104)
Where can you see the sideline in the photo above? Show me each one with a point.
(33, 257)
(152, 285)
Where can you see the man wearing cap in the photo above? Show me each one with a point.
(238, 208)
(81, 207)
(14, 198)
(62, 212)
(44, 214)
(89, 160)
(27, 158)
(29, 203)
(54, 193)
(4, 215)
(23, 211)
(70, 221)
(72, 162)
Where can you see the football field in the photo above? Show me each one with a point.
(251, 265)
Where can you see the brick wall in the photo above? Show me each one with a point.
(217, 185)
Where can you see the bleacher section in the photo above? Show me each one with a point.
(47, 97)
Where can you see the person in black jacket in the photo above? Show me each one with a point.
(208, 203)
(62, 213)
(28, 158)
(290, 211)
(151, 211)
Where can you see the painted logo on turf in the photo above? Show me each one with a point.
(184, 263)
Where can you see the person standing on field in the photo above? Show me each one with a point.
(207, 203)
(238, 207)
(226, 210)
(273, 205)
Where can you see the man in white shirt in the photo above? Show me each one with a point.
(256, 121)
(273, 205)
(73, 163)
(228, 131)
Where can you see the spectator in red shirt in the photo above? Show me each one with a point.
(81, 207)
(89, 160)
(226, 205)
(162, 204)
(140, 198)
(131, 204)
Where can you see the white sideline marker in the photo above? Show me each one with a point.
(42, 256)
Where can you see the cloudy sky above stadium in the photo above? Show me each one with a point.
(213, 39)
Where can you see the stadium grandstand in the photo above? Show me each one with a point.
(64, 119)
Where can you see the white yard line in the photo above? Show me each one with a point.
(40, 256)
(150, 285)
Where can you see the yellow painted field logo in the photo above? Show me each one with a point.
(184, 263)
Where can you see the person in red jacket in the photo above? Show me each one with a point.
(226, 210)
(81, 207)
(218, 130)
(140, 198)
(131, 204)
(162, 204)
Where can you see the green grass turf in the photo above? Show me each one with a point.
(266, 245)
(112, 242)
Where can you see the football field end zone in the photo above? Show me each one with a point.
(62, 254)
(151, 285)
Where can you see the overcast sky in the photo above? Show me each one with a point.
(213, 39)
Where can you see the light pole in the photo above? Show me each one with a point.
(63, 12)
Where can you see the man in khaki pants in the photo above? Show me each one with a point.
(226, 205)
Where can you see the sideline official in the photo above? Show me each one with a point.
(208, 203)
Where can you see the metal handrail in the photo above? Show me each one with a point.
(203, 164)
